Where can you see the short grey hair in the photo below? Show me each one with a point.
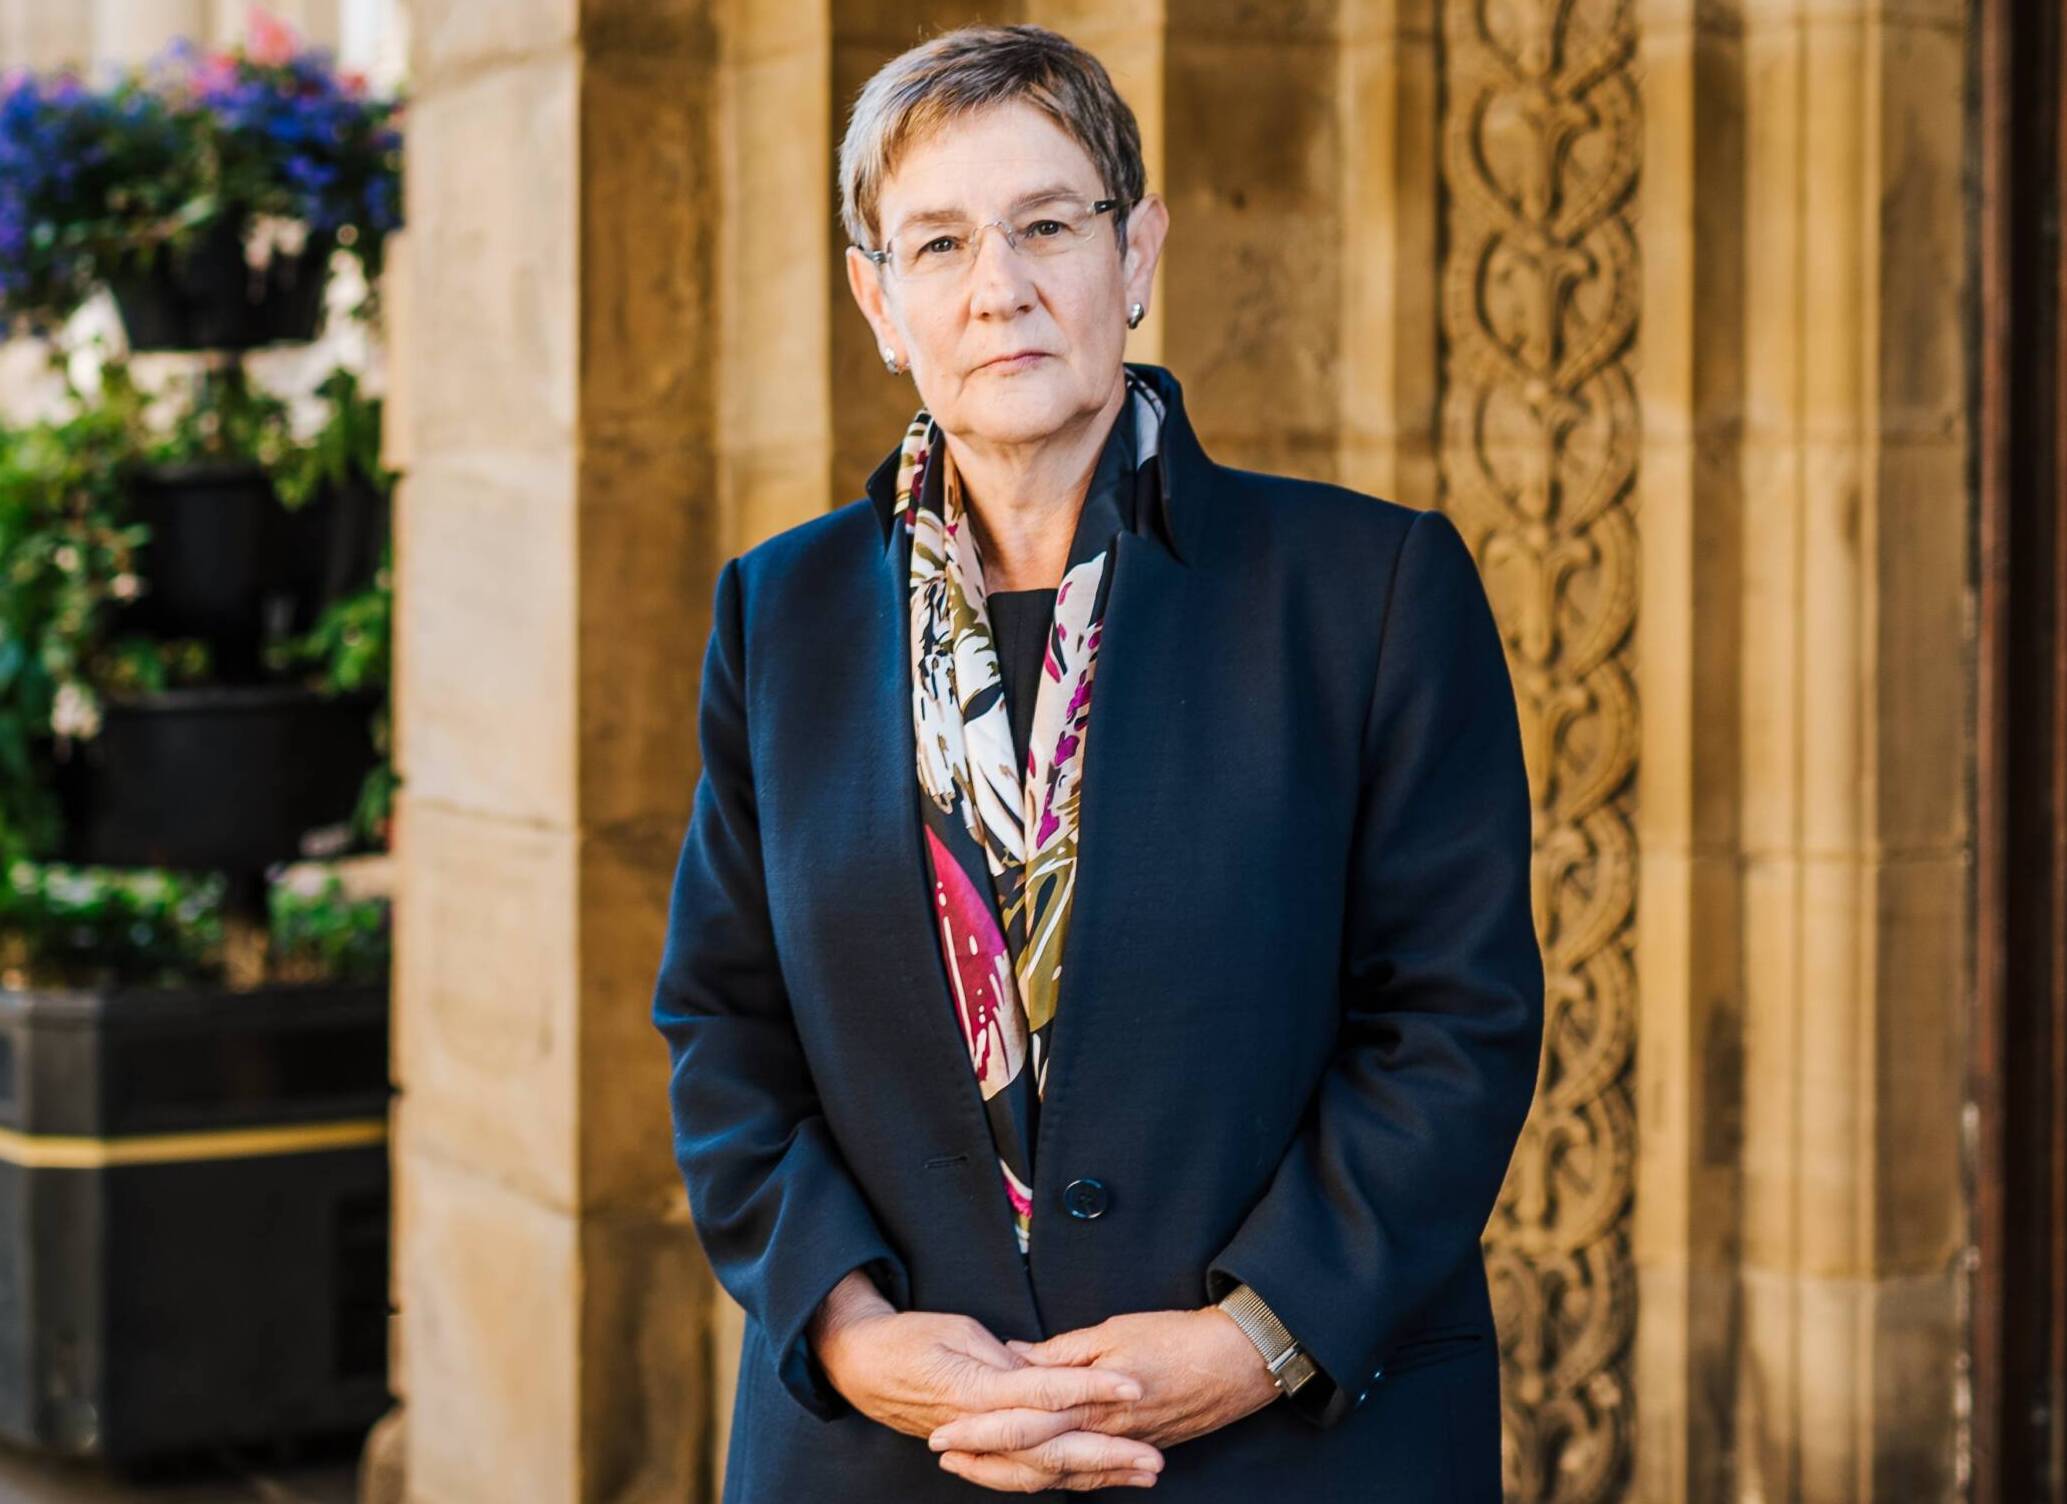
(969, 69)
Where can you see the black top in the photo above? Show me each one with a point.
(1019, 622)
(1020, 619)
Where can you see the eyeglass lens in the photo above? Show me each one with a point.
(1041, 232)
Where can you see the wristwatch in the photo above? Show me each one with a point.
(1290, 1367)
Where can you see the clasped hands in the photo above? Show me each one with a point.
(1090, 1408)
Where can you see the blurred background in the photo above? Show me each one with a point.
(389, 379)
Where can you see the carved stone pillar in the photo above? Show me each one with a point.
(1538, 449)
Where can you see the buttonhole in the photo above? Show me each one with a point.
(945, 1161)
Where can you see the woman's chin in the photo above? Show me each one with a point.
(1015, 409)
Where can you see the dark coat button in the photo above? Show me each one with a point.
(1085, 1198)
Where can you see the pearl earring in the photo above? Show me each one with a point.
(889, 360)
(1135, 314)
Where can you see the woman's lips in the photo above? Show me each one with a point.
(1011, 363)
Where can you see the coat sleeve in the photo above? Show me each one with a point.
(1400, 1157)
(772, 1201)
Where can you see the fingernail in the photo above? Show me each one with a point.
(937, 1442)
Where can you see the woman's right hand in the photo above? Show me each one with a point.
(915, 1371)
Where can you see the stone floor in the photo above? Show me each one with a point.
(325, 1475)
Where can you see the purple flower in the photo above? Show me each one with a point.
(277, 134)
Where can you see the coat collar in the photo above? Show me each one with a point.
(1182, 470)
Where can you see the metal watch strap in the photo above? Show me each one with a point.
(1290, 1367)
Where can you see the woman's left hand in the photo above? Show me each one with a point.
(1197, 1369)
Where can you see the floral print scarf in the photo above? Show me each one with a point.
(1001, 840)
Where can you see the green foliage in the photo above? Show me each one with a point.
(319, 930)
(224, 417)
(83, 926)
(69, 559)
(93, 926)
(349, 648)
(344, 451)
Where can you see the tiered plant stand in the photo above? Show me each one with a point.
(194, 1181)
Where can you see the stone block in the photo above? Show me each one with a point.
(645, 1297)
(1252, 266)
(485, 560)
(492, 1281)
(1774, 226)
(1776, 1201)
(645, 553)
(37, 35)
(626, 1146)
(1922, 233)
(451, 37)
(890, 26)
(1773, 571)
(647, 302)
(1390, 363)
(1847, 1389)
(1685, 1370)
(1922, 651)
(1828, 1165)
(492, 352)
(1832, 621)
(487, 1001)
(766, 488)
(1921, 957)
(1690, 1067)
(779, 255)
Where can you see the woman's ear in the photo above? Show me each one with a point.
(867, 288)
(1148, 223)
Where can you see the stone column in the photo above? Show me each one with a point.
(45, 37)
(129, 31)
(1690, 911)
(557, 544)
(1856, 831)
(1800, 1213)
(1252, 273)
(1388, 364)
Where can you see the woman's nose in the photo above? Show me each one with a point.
(998, 276)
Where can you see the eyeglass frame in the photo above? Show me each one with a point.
(881, 258)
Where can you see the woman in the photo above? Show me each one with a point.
(1100, 982)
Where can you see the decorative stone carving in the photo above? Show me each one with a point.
(1538, 445)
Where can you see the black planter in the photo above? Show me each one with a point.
(220, 560)
(193, 1217)
(334, 543)
(228, 563)
(214, 778)
(211, 299)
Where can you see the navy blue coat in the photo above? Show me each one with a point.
(1301, 1010)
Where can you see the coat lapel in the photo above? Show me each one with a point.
(1144, 675)
(897, 909)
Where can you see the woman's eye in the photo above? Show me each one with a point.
(945, 245)
(1053, 227)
